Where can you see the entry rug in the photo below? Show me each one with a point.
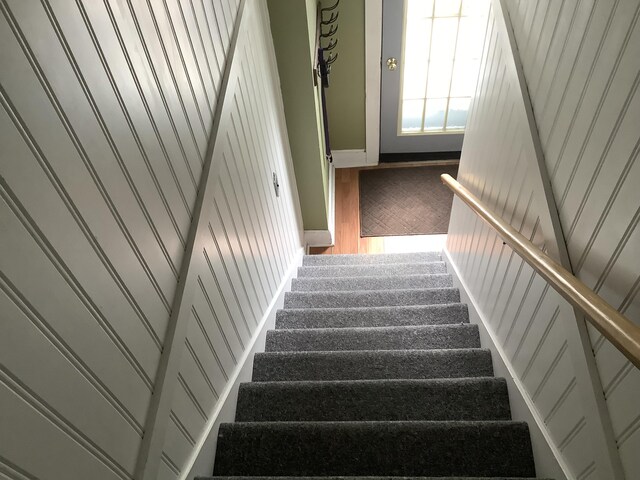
(405, 201)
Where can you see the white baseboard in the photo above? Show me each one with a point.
(349, 158)
(548, 459)
(318, 238)
(331, 214)
(201, 462)
(325, 238)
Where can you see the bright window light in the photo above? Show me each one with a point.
(442, 45)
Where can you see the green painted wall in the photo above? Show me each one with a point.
(346, 92)
(293, 30)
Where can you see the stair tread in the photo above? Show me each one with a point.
(373, 371)
(371, 364)
(372, 270)
(439, 314)
(332, 477)
(403, 448)
(482, 398)
(374, 258)
(361, 282)
(403, 337)
(371, 298)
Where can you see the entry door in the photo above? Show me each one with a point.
(430, 58)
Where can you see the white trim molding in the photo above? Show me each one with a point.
(166, 379)
(325, 238)
(548, 458)
(350, 158)
(597, 416)
(318, 238)
(202, 458)
(373, 52)
(331, 204)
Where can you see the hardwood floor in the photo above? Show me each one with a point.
(347, 235)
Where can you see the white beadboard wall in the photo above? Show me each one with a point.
(107, 109)
(499, 165)
(581, 59)
(253, 239)
(529, 320)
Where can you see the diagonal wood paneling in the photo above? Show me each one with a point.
(107, 109)
(250, 243)
(583, 82)
(499, 165)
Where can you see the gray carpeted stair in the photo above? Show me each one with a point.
(333, 477)
(398, 282)
(370, 364)
(374, 338)
(382, 258)
(373, 371)
(375, 298)
(372, 316)
(374, 270)
(416, 448)
(483, 398)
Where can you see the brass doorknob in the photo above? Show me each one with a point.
(392, 63)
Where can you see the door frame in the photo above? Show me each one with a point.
(427, 145)
(373, 70)
(373, 64)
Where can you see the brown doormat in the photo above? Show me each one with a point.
(405, 201)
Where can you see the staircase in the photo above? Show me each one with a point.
(373, 370)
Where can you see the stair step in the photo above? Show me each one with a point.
(365, 478)
(374, 338)
(371, 259)
(392, 400)
(365, 298)
(372, 316)
(370, 364)
(310, 284)
(493, 448)
(372, 270)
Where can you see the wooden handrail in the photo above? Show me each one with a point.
(617, 328)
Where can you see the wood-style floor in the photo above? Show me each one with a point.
(347, 234)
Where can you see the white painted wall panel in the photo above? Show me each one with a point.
(106, 113)
(526, 316)
(252, 240)
(581, 61)
(587, 108)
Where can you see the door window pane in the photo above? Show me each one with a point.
(457, 113)
(415, 62)
(434, 113)
(439, 79)
(442, 46)
(445, 31)
(465, 74)
(412, 116)
(447, 8)
(423, 8)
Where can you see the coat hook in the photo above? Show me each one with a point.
(332, 44)
(333, 18)
(332, 58)
(330, 33)
(328, 9)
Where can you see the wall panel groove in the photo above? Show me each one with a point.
(108, 136)
(15, 387)
(125, 73)
(82, 153)
(39, 238)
